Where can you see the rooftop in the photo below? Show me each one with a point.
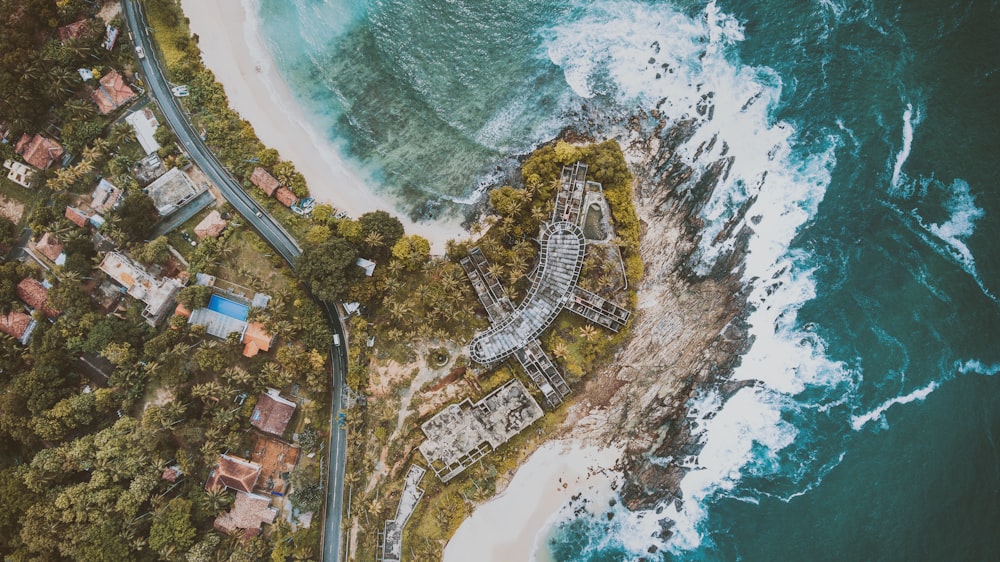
(38, 151)
(35, 295)
(144, 124)
(72, 31)
(105, 196)
(248, 513)
(19, 173)
(234, 472)
(256, 339)
(17, 325)
(215, 323)
(285, 196)
(264, 180)
(157, 294)
(277, 459)
(111, 93)
(171, 191)
(50, 246)
(272, 413)
(77, 216)
(211, 226)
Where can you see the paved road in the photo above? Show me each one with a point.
(275, 235)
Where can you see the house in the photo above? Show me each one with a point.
(144, 124)
(272, 413)
(234, 473)
(111, 93)
(38, 151)
(50, 246)
(105, 196)
(256, 339)
(248, 513)
(77, 216)
(262, 179)
(72, 32)
(285, 196)
(277, 460)
(110, 36)
(367, 265)
(171, 191)
(17, 325)
(35, 295)
(211, 226)
(148, 169)
(172, 473)
(19, 173)
(156, 294)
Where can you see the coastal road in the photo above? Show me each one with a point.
(286, 246)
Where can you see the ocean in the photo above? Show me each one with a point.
(866, 130)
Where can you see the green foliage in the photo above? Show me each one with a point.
(379, 232)
(77, 135)
(329, 268)
(136, 216)
(80, 255)
(172, 530)
(412, 251)
(156, 251)
(194, 296)
(307, 488)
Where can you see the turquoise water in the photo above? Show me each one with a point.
(867, 133)
(228, 307)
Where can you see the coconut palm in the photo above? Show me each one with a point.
(374, 240)
(588, 332)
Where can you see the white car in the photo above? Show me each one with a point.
(140, 52)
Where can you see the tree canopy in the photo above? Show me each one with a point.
(330, 268)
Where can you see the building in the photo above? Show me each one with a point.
(19, 173)
(105, 196)
(72, 32)
(77, 216)
(111, 93)
(234, 473)
(367, 265)
(256, 339)
(50, 246)
(156, 294)
(35, 295)
(110, 36)
(461, 434)
(211, 226)
(38, 151)
(285, 196)
(262, 179)
(172, 473)
(248, 514)
(392, 533)
(277, 459)
(17, 325)
(171, 191)
(144, 124)
(148, 169)
(272, 413)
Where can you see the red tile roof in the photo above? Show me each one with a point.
(248, 513)
(72, 31)
(256, 339)
(35, 295)
(76, 216)
(272, 413)
(49, 246)
(234, 472)
(285, 196)
(14, 324)
(38, 151)
(112, 93)
(212, 225)
(264, 180)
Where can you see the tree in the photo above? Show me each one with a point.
(136, 215)
(153, 252)
(412, 251)
(80, 254)
(194, 296)
(307, 490)
(172, 527)
(388, 227)
(329, 268)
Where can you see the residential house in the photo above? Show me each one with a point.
(248, 514)
(77, 216)
(111, 93)
(35, 295)
(50, 246)
(367, 265)
(262, 179)
(285, 196)
(105, 196)
(156, 294)
(277, 459)
(38, 151)
(256, 339)
(144, 124)
(211, 226)
(234, 473)
(17, 325)
(272, 413)
(72, 32)
(171, 191)
(172, 473)
(19, 173)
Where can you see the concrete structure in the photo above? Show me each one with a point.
(234, 473)
(392, 534)
(171, 191)
(111, 93)
(248, 514)
(264, 180)
(272, 413)
(38, 151)
(105, 196)
(367, 265)
(211, 226)
(463, 433)
(144, 124)
(148, 169)
(19, 173)
(156, 294)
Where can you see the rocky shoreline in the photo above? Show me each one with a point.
(690, 328)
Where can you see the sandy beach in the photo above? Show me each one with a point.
(509, 526)
(232, 48)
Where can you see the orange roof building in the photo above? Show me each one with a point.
(38, 151)
(272, 413)
(76, 216)
(71, 32)
(211, 226)
(285, 196)
(248, 513)
(35, 295)
(235, 473)
(112, 92)
(262, 179)
(17, 325)
(277, 460)
(256, 339)
(50, 246)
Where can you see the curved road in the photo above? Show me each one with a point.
(274, 234)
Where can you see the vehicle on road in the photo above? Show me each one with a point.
(341, 419)
(336, 340)
(140, 52)
(260, 215)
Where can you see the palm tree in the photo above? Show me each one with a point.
(560, 350)
(588, 332)
(374, 240)
(78, 109)
(210, 391)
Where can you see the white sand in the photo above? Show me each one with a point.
(510, 526)
(232, 48)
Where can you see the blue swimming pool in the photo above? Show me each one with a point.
(228, 307)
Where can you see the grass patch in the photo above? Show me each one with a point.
(170, 28)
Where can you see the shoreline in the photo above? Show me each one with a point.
(232, 48)
(510, 526)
